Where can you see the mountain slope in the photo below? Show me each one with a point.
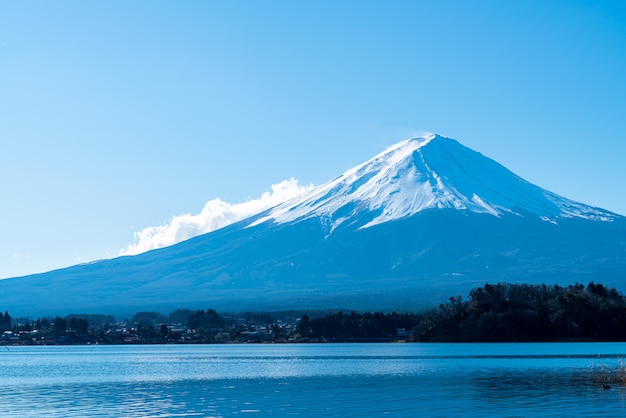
(426, 173)
(422, 221)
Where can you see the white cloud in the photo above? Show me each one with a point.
(215, 214)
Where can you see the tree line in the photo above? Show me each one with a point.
(500, 312)
(521, 312)
(356, 326)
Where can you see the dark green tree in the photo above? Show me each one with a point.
(59, 327)
(6, 323)
(304, 327)
(209, 320)
(78, 326)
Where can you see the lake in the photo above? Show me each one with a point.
(401, 380)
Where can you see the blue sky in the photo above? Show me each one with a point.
(120, 116)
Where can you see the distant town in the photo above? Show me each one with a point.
(183, 326)
(501, 312)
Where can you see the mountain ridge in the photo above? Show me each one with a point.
(401, 181)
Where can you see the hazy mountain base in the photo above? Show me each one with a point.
(405, 265)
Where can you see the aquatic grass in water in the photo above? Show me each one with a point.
(606, 376)
(602, 375)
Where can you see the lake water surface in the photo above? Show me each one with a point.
(402, 380)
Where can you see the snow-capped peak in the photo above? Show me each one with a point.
(426, 173)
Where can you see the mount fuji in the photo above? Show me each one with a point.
(422, 221)
(427, 173)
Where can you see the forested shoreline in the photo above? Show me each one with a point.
(519, 312)
(502, 312)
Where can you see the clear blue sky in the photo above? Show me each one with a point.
(116, 116)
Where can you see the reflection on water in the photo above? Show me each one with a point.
(310, 380)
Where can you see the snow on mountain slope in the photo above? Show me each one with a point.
(425, 173)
